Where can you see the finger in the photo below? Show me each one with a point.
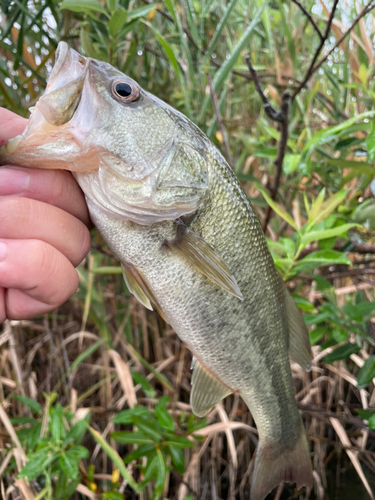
(55, 187)
(36, 276)
(22, 218)
(11, 125)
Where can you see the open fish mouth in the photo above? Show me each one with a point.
(65, 84)
(53, 136)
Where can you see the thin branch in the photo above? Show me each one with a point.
(365, 11)
(220, 121)
(317, 52)
(270, 110)
(281, 148)
(282, 117)
(309, 17)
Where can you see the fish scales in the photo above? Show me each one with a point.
(172, 211)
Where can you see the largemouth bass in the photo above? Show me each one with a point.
(172, 211)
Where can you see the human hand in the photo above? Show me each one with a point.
(43, 234)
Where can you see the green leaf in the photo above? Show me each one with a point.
(30, 403)
(325, 233)
(141, 451)
(161, 468)
(276, 208)
(128, 437)
(83, 5)
(371, 421)
(316, 334)
(321, 209)
(57, 423)
(172, 59)
(360, 167)
(77, 452)
(180, 441)
(164, 419)
(223, 72)
(370, 140)
(69, 466)
(322, 284)
(142, 11)
(342, 352)
(303, 303)
(353, 312)
(223, 21)
(113, 495)
(330, 133)
(128, 416)
(144, 383)
(149, 429)
(65, 487)
(315, 205)
(117, 21)
(159, 376)
(115, 457)
(77, 431)
(326, 257)
(290, 163)
(177, 459)
(366, 373)
(36, 465)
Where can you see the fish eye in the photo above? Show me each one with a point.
(124, 91)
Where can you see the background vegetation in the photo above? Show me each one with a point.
(102, 378)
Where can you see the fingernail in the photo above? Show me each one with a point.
(13, 181)
(3, 250)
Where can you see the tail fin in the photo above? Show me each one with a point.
(275, 464)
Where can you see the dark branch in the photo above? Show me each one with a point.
(268, 108)
(281, 147)
(282, 117)
(365, 11)
(309, 17)
(317, 52)
(220, 121)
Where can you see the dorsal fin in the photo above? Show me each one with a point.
(204, 259)
(299, 341)
(206, 390)
(140, 289)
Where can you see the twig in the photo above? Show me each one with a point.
(317, 52)
(349, 272)
(270, 110)
(220, 121)
(282, 117)
(281, 147)
(309, 17)
(365, 11)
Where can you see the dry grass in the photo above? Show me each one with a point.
(39, 356)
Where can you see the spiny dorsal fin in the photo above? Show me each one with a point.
(139, 288)
(299, 342)
(206, 390)
(205, 260)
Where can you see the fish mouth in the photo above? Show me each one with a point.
(53, 136)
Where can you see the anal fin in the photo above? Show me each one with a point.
(204, 259)
(206, 390)
(140, 289)
(299, 341)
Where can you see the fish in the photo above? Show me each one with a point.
(191, 246)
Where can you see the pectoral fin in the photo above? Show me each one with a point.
(206, 390)
(299, 342)
(140, 289)
(205, 260)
